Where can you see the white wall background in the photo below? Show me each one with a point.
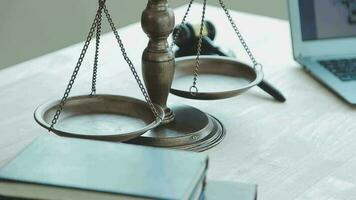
(30, 28)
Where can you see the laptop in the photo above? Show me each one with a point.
(324, 42)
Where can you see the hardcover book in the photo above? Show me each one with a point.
(54, 168)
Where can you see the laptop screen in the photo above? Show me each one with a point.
(326, 19)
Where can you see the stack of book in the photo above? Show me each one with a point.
(53, 168)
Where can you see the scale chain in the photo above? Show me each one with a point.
(76, 69)
(175, 36)
(194, 89)
(239, 35)
(97, 44)
(131, 66)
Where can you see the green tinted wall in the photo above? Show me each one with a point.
(30, 28)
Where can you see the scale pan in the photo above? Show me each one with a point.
(219, 77)
(101, 117)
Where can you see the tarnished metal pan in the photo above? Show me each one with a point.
(101, 117)
(219, 77)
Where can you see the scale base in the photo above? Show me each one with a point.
(191, 130)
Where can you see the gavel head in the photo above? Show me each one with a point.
(189, 34)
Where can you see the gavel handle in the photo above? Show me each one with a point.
(268, 88)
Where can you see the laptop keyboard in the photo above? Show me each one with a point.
(344, 69)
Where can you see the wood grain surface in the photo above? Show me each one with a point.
(302, 149)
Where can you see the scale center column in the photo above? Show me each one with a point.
(158, 59)
(184, 127)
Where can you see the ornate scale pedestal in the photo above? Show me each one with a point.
(184, 126)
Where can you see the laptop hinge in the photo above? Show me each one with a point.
(302, 58)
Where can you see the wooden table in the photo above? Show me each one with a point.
(302, 149)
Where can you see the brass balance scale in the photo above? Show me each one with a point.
(151, 122)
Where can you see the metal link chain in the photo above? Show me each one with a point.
(97, 44)
(175, 36)
(194, 89)
(239, 35)
(76, 69)
(131, 66)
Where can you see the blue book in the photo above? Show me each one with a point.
(54, 168)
